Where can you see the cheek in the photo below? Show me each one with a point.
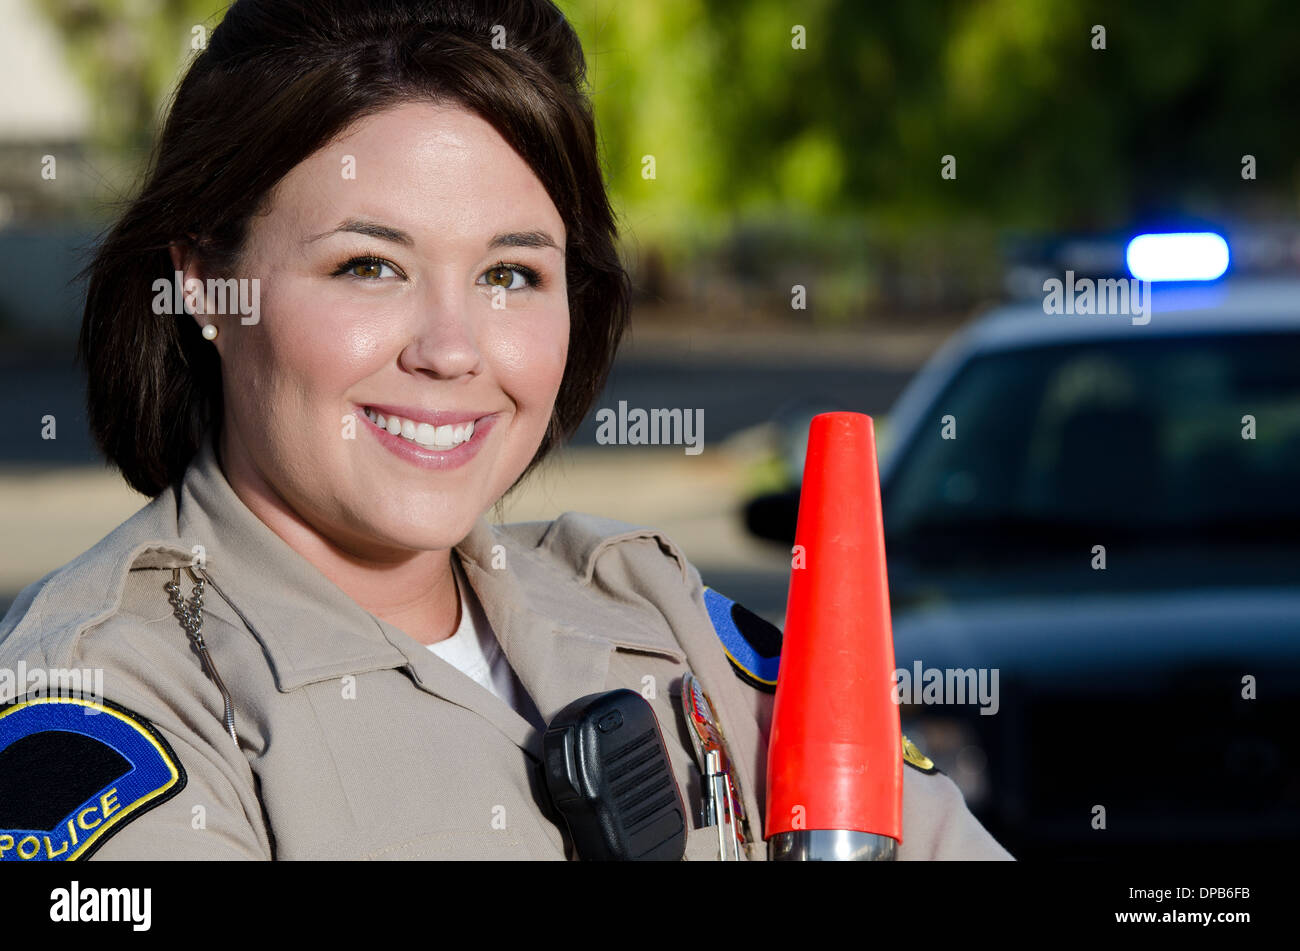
(298, 356)
(529, 356)
(332, 356)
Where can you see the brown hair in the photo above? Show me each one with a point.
(278, 80)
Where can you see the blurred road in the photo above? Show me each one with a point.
(57, 499)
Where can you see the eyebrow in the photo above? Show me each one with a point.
(373, 229)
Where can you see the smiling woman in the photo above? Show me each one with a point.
(412, 191)
(385, 297)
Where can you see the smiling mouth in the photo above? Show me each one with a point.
(426, 435)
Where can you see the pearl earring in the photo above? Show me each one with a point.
(209, 331)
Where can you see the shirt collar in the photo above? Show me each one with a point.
(310, 629)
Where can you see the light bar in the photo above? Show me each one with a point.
(1186, 256)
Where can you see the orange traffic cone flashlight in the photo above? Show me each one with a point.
(835, 767)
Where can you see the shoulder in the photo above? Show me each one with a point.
(644, 570)
(637, 568)
(108, 610)
(50, 614)
(124, 723)
(937, 824)
(94, 644)
(625, 583)
(576, 541)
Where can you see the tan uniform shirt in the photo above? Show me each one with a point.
(356, 741)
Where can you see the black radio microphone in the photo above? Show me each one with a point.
(608, 774)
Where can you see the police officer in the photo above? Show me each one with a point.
(313, 643)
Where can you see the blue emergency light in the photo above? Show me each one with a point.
(1184, 256)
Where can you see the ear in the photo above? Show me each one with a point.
(186, 261)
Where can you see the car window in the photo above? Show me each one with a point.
(1190, 443)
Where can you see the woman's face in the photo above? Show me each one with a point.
(412, 270)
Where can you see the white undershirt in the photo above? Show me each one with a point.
(475, 652)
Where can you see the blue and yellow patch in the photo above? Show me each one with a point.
(753, 645)
(73, 772)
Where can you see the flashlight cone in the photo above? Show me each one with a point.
(834, 755)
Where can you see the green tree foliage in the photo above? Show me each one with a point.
(1048, 131)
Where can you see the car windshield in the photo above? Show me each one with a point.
(1180, 456)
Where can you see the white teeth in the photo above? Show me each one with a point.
(446, 436)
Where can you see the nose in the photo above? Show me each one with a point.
(443, 340)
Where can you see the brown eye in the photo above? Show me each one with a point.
(367, 268)
(501, 276)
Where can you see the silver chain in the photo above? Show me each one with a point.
(190, 614)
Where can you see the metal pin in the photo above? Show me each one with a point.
(718, 803)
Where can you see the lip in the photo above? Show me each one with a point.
(436, 459)
(417, 415)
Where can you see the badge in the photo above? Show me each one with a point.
(707, 737)
(753, 645)
(73, 773)
(914, 757)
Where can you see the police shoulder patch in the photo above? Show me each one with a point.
(74, 772)
(753, 645)
(913, 757)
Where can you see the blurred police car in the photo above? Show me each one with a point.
(1093, 532)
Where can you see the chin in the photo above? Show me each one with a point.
(421, 528)
(384, 537)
